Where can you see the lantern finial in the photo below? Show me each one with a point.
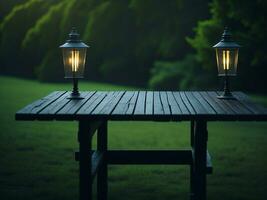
(74, 35)
(227, 35)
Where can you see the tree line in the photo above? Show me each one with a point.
(151, 43)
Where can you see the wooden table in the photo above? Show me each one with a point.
(98, 107)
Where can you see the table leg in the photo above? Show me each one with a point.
(85, 147)
(102, 174)
(192, 185)
(200, 159)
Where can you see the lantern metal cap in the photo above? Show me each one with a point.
(227, 40)
(74, 40)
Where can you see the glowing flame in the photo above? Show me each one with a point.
(74, 60)
(226, 59)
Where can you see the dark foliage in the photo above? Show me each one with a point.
(248, 23)
(146, 43)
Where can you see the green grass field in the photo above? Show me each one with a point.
(37, 162)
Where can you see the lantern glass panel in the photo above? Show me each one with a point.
(74, 62)
(227, 60)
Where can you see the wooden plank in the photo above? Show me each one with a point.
(209, 168)
(102, 175)
(204, 103)
(109, 105)
(106, 100)
(170, 157)
(40, 104)
(85, 160)
(184, 105)
(91, 104)
(200, 159)
(132, 104)
(235, 105)
(123, 104)
(55, 106)
(253, 107)
(75, 104)
(217, 106)
(97, 160)
(158, 108)
(195, 103)
(225, 107)
(165, 103)
(175, 109)
(140, 104)
(149, 102)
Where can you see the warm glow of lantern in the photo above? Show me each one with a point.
(74, 60)
(226, 59)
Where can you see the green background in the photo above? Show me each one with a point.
(134, 44)
(153, 43)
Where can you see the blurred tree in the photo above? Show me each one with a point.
(111, 34)
(247, 19)
(76, 15)
(163, 25)
(177, 19)
(41, 49)
(7, 6)
(13, 29)
(157, 33)
(128, 36)
(178, 75)
(56, 24)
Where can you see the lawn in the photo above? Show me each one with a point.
(37, 162)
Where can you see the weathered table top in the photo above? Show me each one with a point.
(143, 105)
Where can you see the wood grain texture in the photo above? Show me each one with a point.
(244, 99)
(74, 105)
(149, 103)
(125, 103)
(198, 107)
(182, 97)
(158, 108)
(165, 103)
(209, 109)
(54, 107)
(213, 96)
(144, 105)
(40, 104)
(140, 104)
(214, 102)
(174, 106)
(91, 104)
(235, 105)
(108, 104)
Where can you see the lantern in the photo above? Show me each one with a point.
(74, 56)
(227, 59)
